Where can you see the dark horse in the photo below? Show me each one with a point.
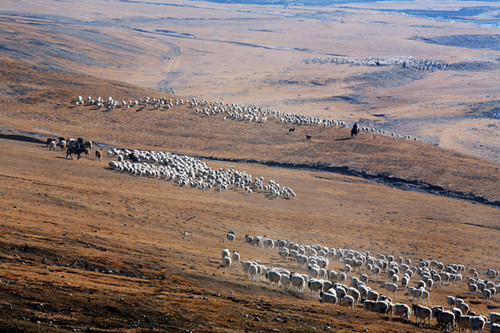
(355, 130)
(77, 151)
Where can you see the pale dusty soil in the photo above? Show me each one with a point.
(89, 248)
(255, 55)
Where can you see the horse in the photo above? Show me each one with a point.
(308, 137)
(77, 151)
(291, 130)
(355, 130)
(49, 140)
(98, 155)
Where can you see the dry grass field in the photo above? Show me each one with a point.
(256, 55)
(88, 248)
(85, 248)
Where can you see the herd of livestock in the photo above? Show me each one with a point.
(233, 111)
(350, 285)
(340, 287)
(404, 62)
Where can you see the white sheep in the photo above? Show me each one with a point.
(422, 313)
(253, 270)
(476, 323)
(298, 282)
(327, 297)
(226, 253)
(348, 300)
(273, 277)
(368, 305)
(402, 310)
(392, 287)
(463, 322)
(372, 295)
(495, 317)
(382, 307)
(315, 285)
(486, 295)
(226, 263)
(236, 259)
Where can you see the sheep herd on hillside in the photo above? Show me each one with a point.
(423, 64)
(189, 171)
(233, 111)
(111, 103)
(350, 285)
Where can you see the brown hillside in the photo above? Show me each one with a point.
(89, 249)
(35, 100)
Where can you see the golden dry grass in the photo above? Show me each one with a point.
(86, 247)
(255, 55)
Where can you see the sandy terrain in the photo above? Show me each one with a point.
(256, 55)
(90, 249)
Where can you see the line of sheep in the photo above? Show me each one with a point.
(331, 285)
(230, 111)
(111, 103)
(405, 62)
(189, 171)
(259, 115)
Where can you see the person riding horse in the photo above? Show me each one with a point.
(355, 130)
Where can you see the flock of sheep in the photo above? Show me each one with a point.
(256, 114)
(233, 111)
(189, 171)
(111, 103)
(349, 286)
(405, 62)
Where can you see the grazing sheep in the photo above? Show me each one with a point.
(463, 322)
(226, 253)
(355, 295)
(253, 270)
(230, 237)
(236, 259)
(273, 277)
(363, 291)
(326, 297)
(464, 307)
(298, 282)
(315, 285)
(476, 323)
(368, 305)
(445, 319)
(392, 287)
(450, 300)
(226, 263)
(495, 317)
(458, 302)
(372, 295)
(473, 290)
(422, 313)
(402, 311)
(486, 295)
(382, 307)
(285, 280)
(348, 300)
(341, 292)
